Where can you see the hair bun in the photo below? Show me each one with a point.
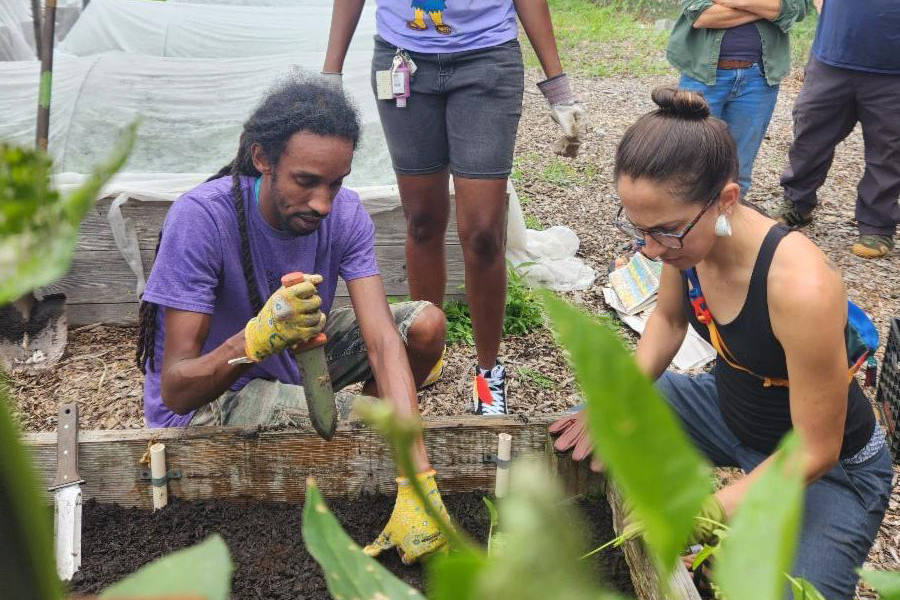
(682, 104)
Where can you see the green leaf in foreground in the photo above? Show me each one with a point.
(203, 570)
(348, 572)
(804, 590)
(26, 527)
(886, 583)
(541, 545)
(38, 228)
(660, 474)
(759, 548)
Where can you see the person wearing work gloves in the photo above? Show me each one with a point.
(780, 310)
(449, 81)
(280, 207)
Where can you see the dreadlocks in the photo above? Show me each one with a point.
(296, 104)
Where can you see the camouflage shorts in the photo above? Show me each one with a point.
(274, 403)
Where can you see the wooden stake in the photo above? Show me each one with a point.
(504, 447)
(158, 472)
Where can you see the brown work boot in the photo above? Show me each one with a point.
(788, 214)
(869, 245)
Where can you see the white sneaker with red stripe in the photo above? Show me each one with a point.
(489, 391)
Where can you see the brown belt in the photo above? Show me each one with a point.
(734, 64)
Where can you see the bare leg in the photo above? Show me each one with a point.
(481, 208)
(426, 204)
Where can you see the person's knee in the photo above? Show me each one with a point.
(483, 244)
(428, 332)
(425, 227)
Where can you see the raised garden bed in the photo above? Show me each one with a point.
(221, 470)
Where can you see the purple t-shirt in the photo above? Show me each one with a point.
(198, 268)
(449, 25)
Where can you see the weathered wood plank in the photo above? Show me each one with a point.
(643, 571)
(103, 276)
(228, 462)
(148, 217)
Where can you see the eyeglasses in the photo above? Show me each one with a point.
(669, 240)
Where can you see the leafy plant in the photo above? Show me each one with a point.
(886, 583)
(38, 227)
(532, 222)
(522, 316)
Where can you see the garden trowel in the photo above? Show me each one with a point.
(310, 357)
(66, 490)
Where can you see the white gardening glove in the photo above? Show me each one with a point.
(333, 80)
(567, 112)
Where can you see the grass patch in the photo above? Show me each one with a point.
(559, 173)
(523, 312)
(612, 38)
(532, 222)
(802, 36)
(537, 379)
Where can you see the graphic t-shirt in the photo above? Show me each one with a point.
(198, 268)
(859, 35)
(444, 26)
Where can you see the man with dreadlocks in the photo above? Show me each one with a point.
(279, 207)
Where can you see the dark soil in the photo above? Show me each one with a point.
(266, 545)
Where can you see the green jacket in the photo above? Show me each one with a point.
(695, 52)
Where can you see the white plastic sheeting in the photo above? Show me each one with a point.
(17, 28)
(16, 31)
(198, 31)
(192, 70)
(191, 110)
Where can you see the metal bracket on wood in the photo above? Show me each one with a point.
(492, 459)
(144, 475)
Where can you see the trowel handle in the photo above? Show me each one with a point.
(288, 280)
(67, 445)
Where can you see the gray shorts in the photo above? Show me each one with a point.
(463, 111)
(272, 403)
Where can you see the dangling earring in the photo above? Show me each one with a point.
(723, 226)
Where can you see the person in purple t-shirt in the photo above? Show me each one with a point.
(460, 118)
(279, 207)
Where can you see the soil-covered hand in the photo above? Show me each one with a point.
(573, 435)
(410, 529)
(289, 317)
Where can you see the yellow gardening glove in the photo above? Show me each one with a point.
(706, 524)
(290, 316)
(410, 529)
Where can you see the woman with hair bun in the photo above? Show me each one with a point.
(736, 52)
(776, 311)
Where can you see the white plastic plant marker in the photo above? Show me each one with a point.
(504, 452)
(158, 473)
(67, 494)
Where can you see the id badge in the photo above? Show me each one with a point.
(383, 88)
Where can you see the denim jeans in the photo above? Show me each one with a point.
(743, 99)
(842, 510)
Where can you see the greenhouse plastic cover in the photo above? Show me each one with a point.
(192, 102)
(17, 29)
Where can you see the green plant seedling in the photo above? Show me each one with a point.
(348, 572)
(643, 446)
(203, 570)
(759, 548)
(532, 222)
(38, 227)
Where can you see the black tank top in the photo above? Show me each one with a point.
(760, 416)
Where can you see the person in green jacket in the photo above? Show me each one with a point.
(736, 52)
